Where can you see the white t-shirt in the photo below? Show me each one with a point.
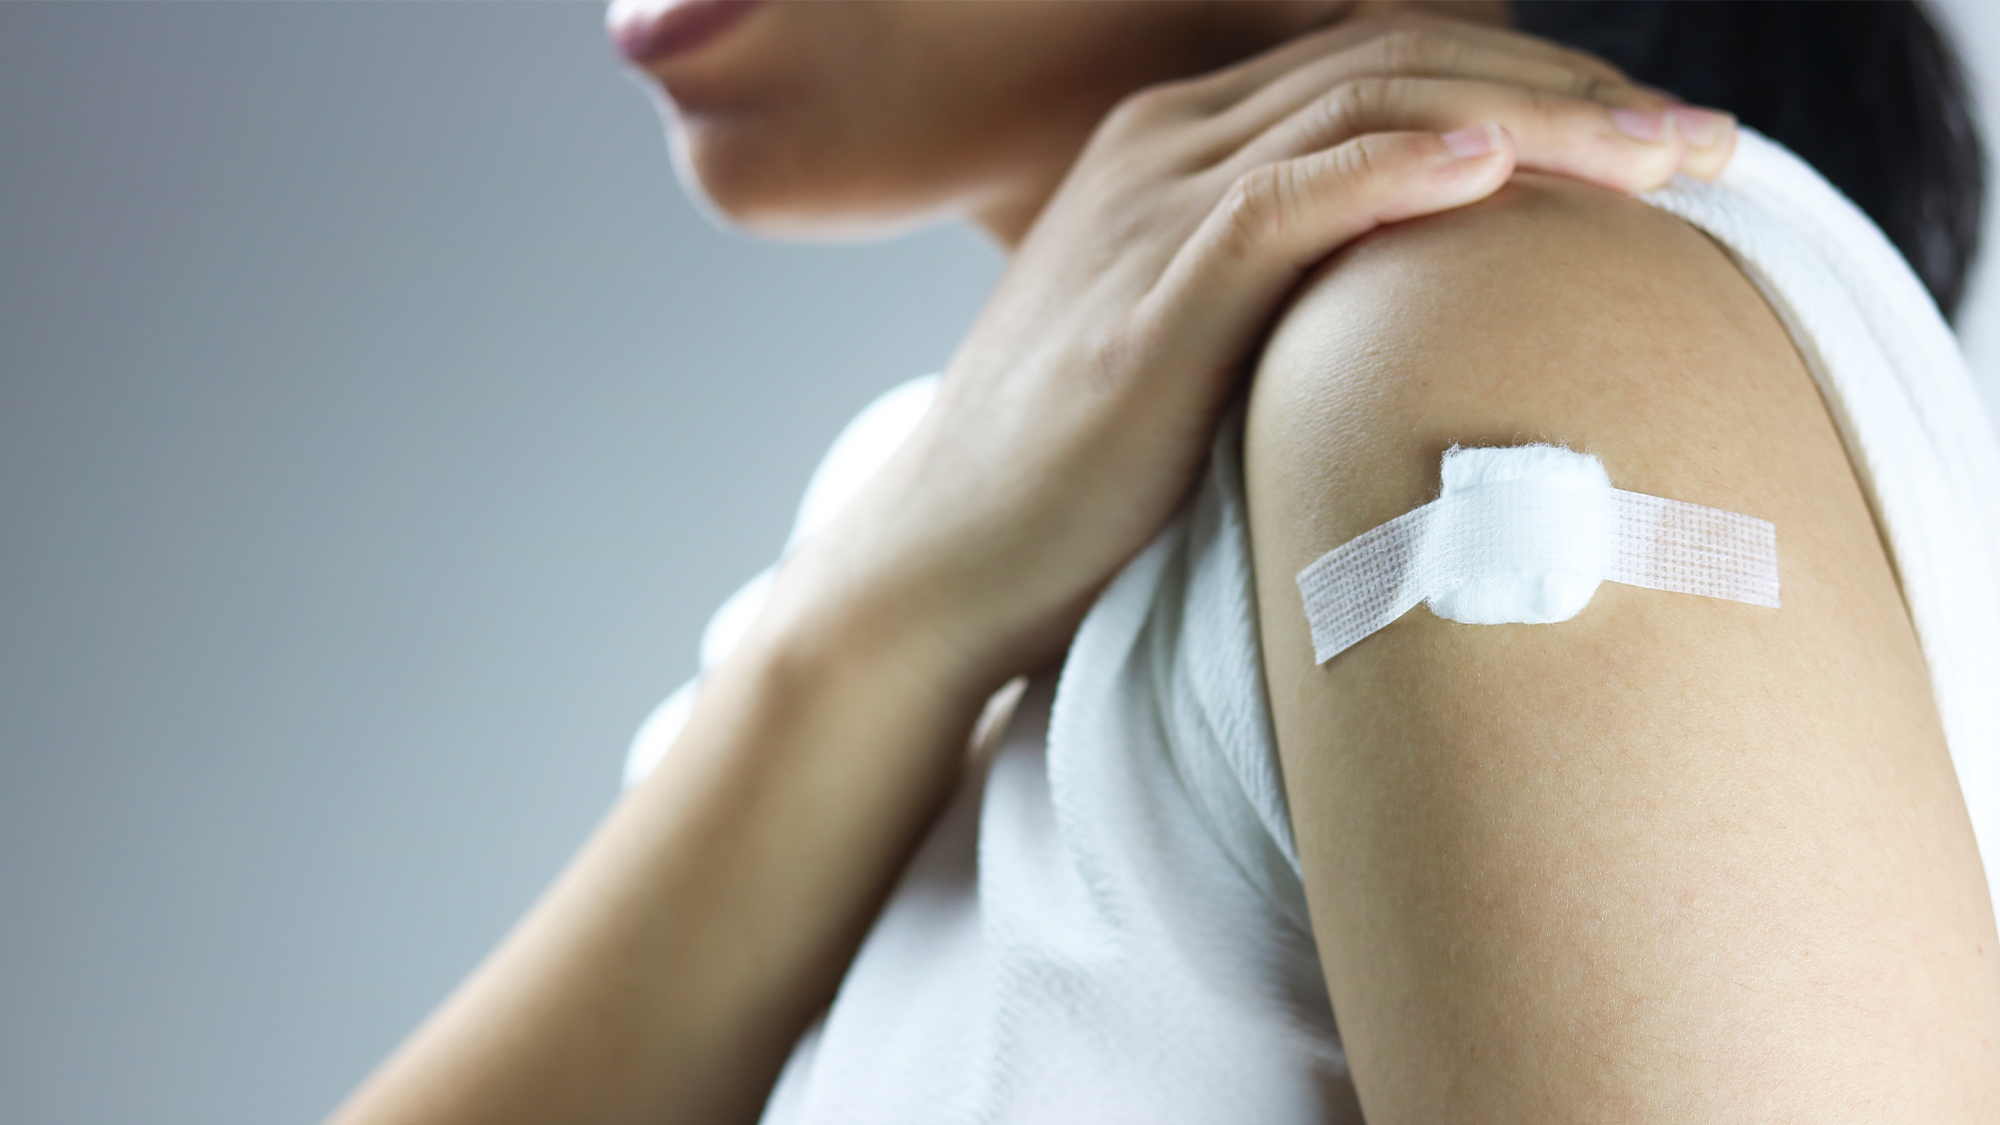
(1108, 922)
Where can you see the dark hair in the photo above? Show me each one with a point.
(1867, 91)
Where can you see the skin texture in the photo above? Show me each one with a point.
(838, 120)
(1676, 859)
(1159, 213)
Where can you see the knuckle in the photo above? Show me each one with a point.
(1591, 87)
(1545, 106)
(1204, 90)
(1416, 50)
(1249, 210)
(1352, 104)
(1133, 112)
(1584, 63)
(1325, 121)
(1399, 49)
(1364, 160)
(1599, 88)
(1110, 166)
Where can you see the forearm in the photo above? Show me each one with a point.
(667, 972)
(670, 968)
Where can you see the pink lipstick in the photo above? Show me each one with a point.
(651, 31)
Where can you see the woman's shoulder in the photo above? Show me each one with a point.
(1559, 313)
(1641, 837)
(1556, 312)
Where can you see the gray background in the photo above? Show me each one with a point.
(378, 424)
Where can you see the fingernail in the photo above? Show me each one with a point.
(1704, 128)
(1643, 124)
(1476, 141)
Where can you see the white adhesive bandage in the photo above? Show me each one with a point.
(1524, 535)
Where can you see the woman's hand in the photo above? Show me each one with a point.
(1076, 414)
(667, 973)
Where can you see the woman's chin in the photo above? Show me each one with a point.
(791, 222)
(794, 206)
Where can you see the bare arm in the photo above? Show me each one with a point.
(1675, 859)
(672, 965)
(670, 969)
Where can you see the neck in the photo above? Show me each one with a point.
(1236, 30)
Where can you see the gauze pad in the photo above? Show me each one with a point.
(1524, 535)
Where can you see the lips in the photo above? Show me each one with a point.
(651, 31)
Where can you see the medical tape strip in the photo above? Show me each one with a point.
(1532, 551)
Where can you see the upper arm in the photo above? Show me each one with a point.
(1675, 858)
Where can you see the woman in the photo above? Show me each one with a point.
(1670, 860)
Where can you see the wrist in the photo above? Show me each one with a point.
(886, 637)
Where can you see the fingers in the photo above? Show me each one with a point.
(1279, 219)
(1430, 45)
(1710, 137)
(1627, 149)
(1423, 53)
(1304, 95)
